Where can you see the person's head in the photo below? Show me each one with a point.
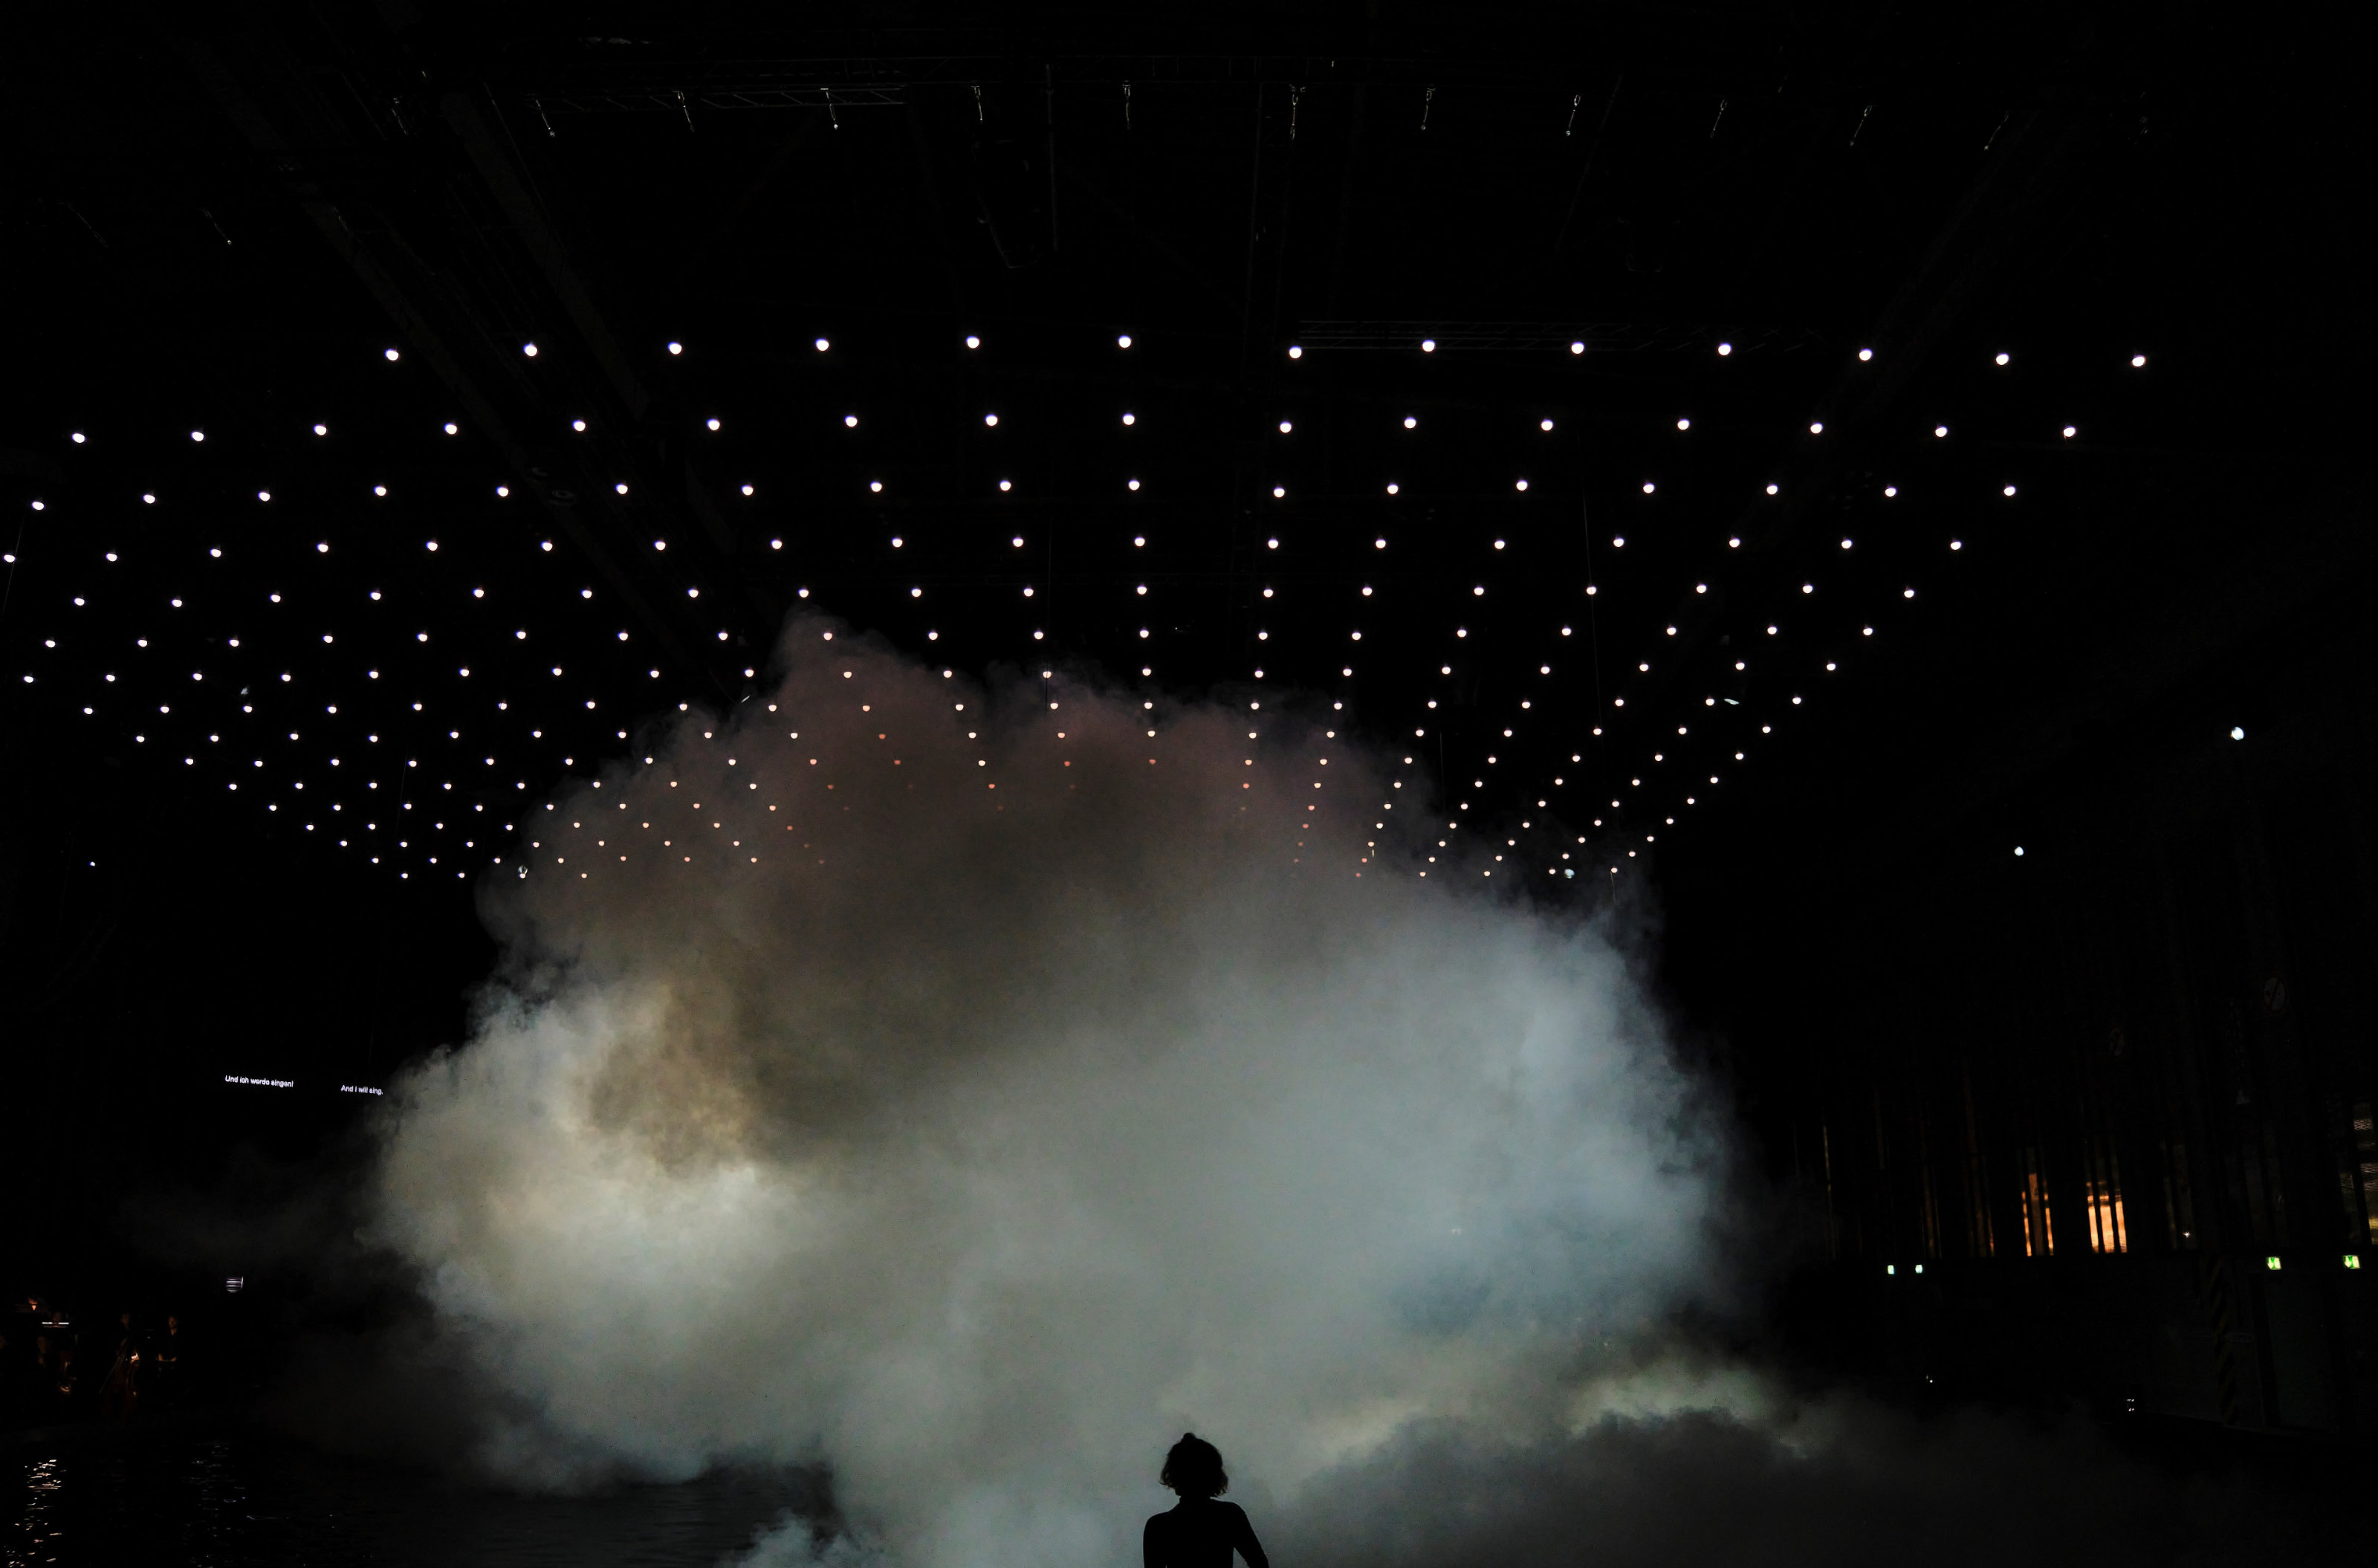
(1194, 1468)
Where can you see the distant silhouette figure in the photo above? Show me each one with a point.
(1201, 1531)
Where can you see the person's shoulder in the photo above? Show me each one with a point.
(1231, 1509)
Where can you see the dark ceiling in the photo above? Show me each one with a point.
(1710, 282)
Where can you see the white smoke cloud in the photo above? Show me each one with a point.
(969, 1091)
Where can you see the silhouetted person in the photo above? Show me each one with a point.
(1202, 1530)
(119, 1395)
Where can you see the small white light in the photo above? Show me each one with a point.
(1939, 430)
(972, 341)
(875, 486)
(1725, 348)
(2138, 361)
(1888, 491)
(1285, 427)
(620, 487)
(318, 430)
(2018, 850)
(2001, 359)
(260, 494)
(1122, 340)
(1575, 347)
(1004, 485)
(1865, 354)
(1649, 486)
(1681, 425)
(1773, 488)
(1907, 593)
(1846, 543)
(1295, 352)
(1956, 543)
(1428, 346)
(78, 437)
(1018, 540)
(579, 425)
(391, 354)
(677, 348)
(747, 489)
(1130, 419)
(502, 491)
(1278, 493)
(379, 489)
(1393, 488)
(1132, 484)
(453, 429)
(1520, 485)
(823, 345)
(2236, 732)
(1817, 428)
(2008, 491)
(1378, 543)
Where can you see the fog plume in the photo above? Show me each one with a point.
(967, 1090)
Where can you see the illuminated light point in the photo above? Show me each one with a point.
(1771, 489)
(379, 489)
(79, 435)
(1428, 346)
(1681, 425)
(2236, 732)
(1649, 486)
(2138, 361)
(1723, 350)
(2001, 359)
(2018, 852)
(1005, 486)
(1285, 427)
(1520, 485)
(1846, 543)
(391, 354)
(1865, 354)
(1888, 491)
(747, 489)
(2071, 431)
(1378, 543)
(711, 424)
(823, 345)
(1577, 348)
(1939, 430)
(621, 488)
(1907, 593)
(1956, 543)
(198, 435)
(2008, 491)
(260, 494)
(529, 350)
(1295, 352)
(677, 348)
(1394, 489)
(1122, 340)
(1131, 483)
(972, 341)
(875, 486)
(1817, 428)
(1278, 493)
(579, 425)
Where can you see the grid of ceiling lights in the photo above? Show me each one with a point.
(395, 712)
